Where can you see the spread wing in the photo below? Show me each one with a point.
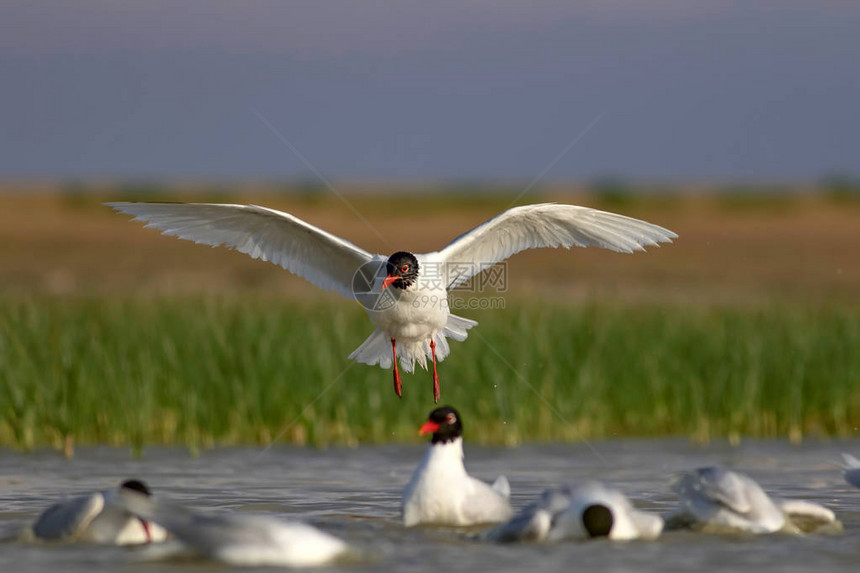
(68, 518)
(544, 225)
(325, 260)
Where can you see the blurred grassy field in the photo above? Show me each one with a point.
(748, 325)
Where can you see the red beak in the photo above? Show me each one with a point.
(388, 280)
(429, 427)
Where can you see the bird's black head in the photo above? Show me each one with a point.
(135, 485)
(402, 269)
(445, 425)
(597, 520)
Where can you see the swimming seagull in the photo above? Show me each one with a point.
(720, 500)
(852, 470)
(98, 518)
(440, 491)
(405, 295)
(590, 509)
(245, 540)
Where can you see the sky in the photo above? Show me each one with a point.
(683, 90)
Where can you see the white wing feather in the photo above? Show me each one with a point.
(544, 225)
(802, 509)
(325, 260)
(68, 518)
(239, 539)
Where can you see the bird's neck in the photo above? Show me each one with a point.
(445, 457)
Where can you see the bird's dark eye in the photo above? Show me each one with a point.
(450, 419)
(404, 268)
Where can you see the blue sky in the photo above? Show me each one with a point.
(663, 90)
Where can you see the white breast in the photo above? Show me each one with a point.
(434, 494)
(414, 314)
(442, 493)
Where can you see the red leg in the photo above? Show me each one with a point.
(436, 390)
(398, 385)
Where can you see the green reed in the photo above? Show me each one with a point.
(207, 371)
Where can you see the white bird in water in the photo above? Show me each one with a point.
(719, 500)
(852, 470)
(440, 491)
(406, 295)
(98, 518)
(590, 509)
(245, 540)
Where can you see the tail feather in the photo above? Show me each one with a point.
(377, 348)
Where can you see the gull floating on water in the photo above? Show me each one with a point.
(720, 500)
(590, 509)
(246, 540)
(440, 491)
(852, 470)
(405, 295)
(98, 518)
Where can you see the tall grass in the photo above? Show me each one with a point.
(205, 371)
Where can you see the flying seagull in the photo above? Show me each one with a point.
(405, 295)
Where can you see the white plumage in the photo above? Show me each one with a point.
(441, 492)
(95, 518)
(327, 261)
(245, 540)
(718, 499)
(546, 225)
(590, 509)
(416, 316)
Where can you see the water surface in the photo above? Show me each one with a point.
(355, 494)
